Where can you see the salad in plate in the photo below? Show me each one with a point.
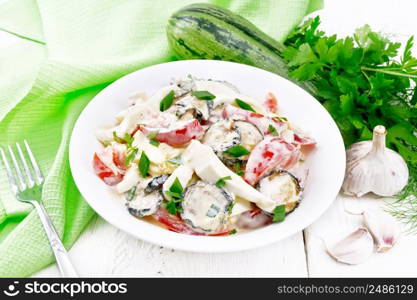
(198, 157)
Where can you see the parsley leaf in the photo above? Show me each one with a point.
(152, 138)
(131, 154)
(362, 83)
(144, 164)
(244, 105)
(127, 139)
(167, 101)
(175, 191)
(203, 95)
(272, 130)
(279, 214)
(238, 169)
(222, 181)
(237, 151)
(233, 231)
(154, 142)
(176, 187)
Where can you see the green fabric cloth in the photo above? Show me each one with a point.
(55, 56)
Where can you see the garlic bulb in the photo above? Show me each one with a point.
(371, 167)
(383, 227)
(354, 248)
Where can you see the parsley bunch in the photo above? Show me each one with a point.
(362, 83)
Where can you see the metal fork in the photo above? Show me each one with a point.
(29, 189)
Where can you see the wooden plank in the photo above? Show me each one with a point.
(104, 251)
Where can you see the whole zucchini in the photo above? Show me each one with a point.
(206, 31)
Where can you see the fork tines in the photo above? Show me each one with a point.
(17, 180)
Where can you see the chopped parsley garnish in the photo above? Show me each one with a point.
(238, 169)
(130, 156)
(222, 181)
(144, 164)
(172, 206)
(151, 136)
(176, 187)
(175, 191)
(237, 151)
(244, 105)
(272, 130)
(203, 95)
(127, 139)
(233, 231)
(167, 101)
(279, 214)
(154, 142)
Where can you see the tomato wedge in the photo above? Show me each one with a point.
(104, 172)
(271, 103)
(175, 223)
(178, 135)
(270, 153)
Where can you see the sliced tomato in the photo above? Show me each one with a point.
(271, 103)
(104, 172)
(253, 219)
(175, 223)
(179, 135)
(270, 153)
(260, 121)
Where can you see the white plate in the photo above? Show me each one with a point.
(326, 163)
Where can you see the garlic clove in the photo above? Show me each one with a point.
(383, 227)
(354, 249)
(371, 167)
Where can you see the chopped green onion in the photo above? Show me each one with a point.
(237, 151)
(144, 164)
(272, 130)
(167, 101)
(279, 214)
(222, 181)
(244, 105)
(203, 95)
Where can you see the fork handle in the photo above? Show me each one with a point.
(61, 255)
